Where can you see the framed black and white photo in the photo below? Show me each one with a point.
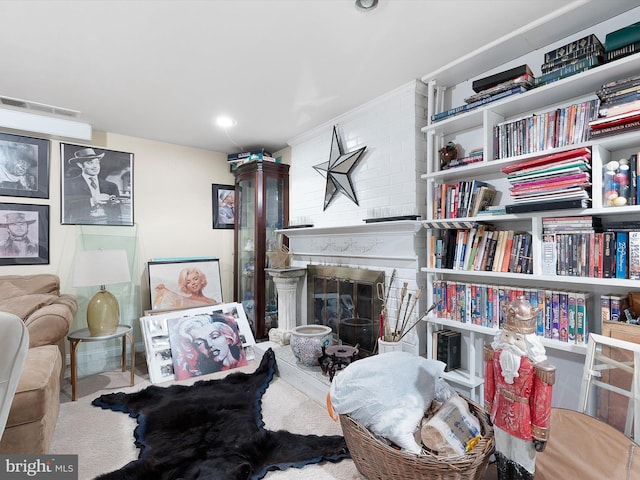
(97, 186)
(224, 212)
(24, 166)
(24, 234)
(184, 283)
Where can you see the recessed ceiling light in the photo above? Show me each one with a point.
(225, 122)
(366, 4)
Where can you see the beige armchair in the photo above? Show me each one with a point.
(47, 315)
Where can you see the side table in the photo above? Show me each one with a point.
(83, 335)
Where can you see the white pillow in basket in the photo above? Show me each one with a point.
(388, 394)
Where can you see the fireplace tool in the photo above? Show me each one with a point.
(406, 302)
(383, 295)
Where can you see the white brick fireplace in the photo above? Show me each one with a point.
(387, 182)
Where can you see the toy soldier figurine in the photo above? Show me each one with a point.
(517, 391)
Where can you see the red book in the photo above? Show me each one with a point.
(546, 159)
(592, 257)
(552, 181)
(507, 252)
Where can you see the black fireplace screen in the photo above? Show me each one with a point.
(345, 299)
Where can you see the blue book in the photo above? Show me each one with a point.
(555, 315)
(540, 295)
(470, 106)
(622, 241)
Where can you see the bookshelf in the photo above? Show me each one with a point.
(474, 129)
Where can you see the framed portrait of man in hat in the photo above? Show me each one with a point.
(224, 196)
(24, 166)
(24, 234)
(97, 186)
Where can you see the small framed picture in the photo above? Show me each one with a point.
(24, 166)
(224, 211)
(97, 186)
(184, 283)
(24, 234)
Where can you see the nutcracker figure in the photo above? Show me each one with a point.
(517, 391)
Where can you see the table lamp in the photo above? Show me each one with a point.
(101, 267)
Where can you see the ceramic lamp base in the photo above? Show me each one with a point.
(103, 314)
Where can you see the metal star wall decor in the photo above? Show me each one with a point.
(338, 171)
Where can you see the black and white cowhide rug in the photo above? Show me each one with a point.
(213, 429)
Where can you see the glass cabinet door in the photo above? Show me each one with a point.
(274, 218)
(245, 250)
(262, 190)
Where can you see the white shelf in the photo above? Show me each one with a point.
(494, 166)
(469, 327)
(464, 378)
(565, 90)
(538, 279)
(475, 128)
(547, 342)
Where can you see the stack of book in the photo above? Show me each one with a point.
(572, 58)
(622, 258)
(569, 246)
(619, 109)
(448, 346)
(543, 131)
(495, 84)
(492, 88)
(483, 248)
(623, 42)
(613, 308)
(563, 315)
(551, 182)
(463, 199)
(261, 155)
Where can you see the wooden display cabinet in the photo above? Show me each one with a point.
(262, 206)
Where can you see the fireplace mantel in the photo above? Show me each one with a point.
(393, 240)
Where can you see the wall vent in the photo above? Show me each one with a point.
(39, 107)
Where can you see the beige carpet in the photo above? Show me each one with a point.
(103, 439)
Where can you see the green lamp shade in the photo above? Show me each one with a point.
(103, 314)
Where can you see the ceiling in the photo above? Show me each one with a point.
(164, 69)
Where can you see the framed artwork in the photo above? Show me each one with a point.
(155, 334)
(197, 341)
(24, 234)
(96, 186)
(223, 198)
(184, 283)
(24, 166)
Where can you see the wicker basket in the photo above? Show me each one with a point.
(377, 461)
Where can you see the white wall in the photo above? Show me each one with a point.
(172, 213)
(387, 176)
